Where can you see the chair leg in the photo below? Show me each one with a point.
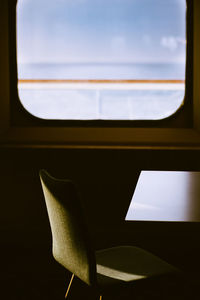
(69, 286)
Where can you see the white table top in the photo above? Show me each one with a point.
(166, 196)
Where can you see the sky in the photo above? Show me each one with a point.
(101, 31)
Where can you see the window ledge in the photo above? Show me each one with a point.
(129, 138)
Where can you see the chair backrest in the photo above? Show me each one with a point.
(70, 237)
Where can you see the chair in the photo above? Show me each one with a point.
(105, 270)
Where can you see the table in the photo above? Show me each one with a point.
(166, 196)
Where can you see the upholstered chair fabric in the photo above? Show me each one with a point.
(71, 242)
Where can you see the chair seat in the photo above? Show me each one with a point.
(125, 264)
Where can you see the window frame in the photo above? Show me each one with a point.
(19, 126)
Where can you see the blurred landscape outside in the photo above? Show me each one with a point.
(101, 59)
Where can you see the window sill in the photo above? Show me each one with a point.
(108, 138)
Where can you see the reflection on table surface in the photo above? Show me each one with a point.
(166, 196)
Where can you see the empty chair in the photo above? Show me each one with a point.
(107, 270)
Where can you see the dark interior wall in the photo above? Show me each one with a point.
(106, 180)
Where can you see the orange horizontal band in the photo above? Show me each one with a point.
(99, 81)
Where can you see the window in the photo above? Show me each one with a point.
(18, 127)
(98, 59)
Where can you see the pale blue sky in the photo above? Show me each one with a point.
(101, 31)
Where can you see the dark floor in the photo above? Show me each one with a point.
(49, 289)
(30, 273)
